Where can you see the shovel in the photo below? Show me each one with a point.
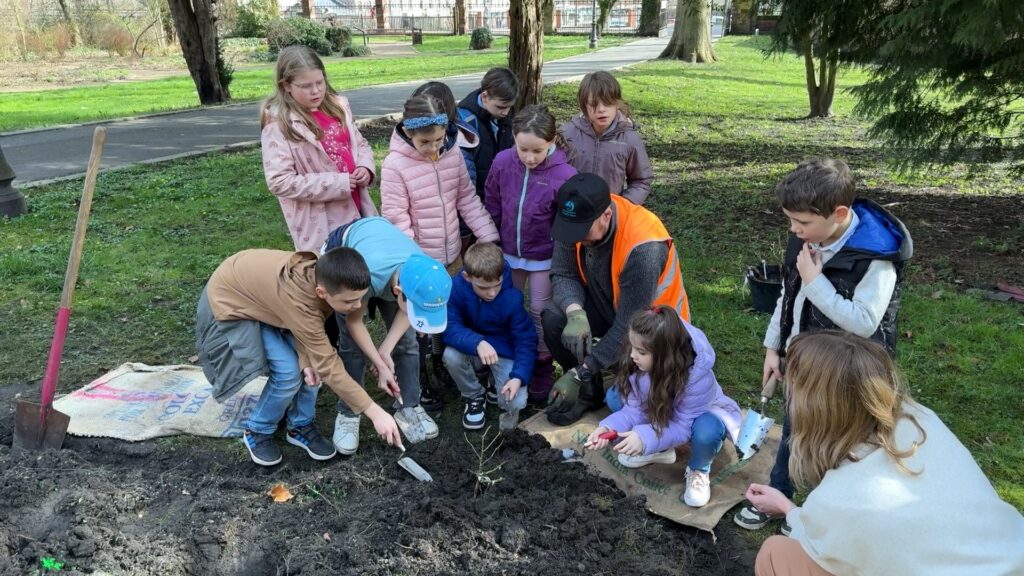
(39, 426)
(755, 426)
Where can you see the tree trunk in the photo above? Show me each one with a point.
(526, 49)
(691, 39)
(307, 9)
(548, 12)
(821, 83)
(650, 18)
(604, 8)
(197, 34)
(167, 23)
(378, 11)
(65, 10)
(460, 17)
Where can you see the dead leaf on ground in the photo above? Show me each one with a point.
(280, 494)
(909, 334)
(327, 536)
(193, 358)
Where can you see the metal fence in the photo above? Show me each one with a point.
(441, 16)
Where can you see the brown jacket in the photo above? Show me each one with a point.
(279, 288)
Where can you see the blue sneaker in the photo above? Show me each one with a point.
(262, 448)
(309, 439)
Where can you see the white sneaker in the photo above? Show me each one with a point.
(666, 457)
(346, 434)
(429, 426)
(414, 426)
(698, 488)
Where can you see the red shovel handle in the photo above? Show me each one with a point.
(609, 435)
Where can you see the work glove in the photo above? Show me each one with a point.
(566, 389)
(576, 335)
(585, 395)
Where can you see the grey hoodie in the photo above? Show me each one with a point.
(618, 155)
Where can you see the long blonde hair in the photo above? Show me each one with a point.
(280, 106)
(843, 392)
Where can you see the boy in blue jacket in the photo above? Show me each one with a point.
(488, 327)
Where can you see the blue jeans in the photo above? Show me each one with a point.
(779, 478)
(406, 356)
(706, 434)
(285, 390)
(463, 369)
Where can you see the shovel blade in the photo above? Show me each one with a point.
(30, 433)
(417, 471)
(753, 431)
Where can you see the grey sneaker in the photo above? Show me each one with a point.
(309, 439)
(507, 421)
(409, 423)
(262, 448)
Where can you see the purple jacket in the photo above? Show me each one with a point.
(618, 156)
(522, 202)
(702, 394)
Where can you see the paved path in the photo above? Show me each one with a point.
(44, 155)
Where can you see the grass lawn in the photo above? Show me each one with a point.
(444, 56)
(719, 136)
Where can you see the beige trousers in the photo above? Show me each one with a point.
(783, 556)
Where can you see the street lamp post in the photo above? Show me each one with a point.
(593, 24)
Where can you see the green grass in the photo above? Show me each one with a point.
(720, 136)
(66, 106)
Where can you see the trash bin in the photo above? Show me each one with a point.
(417, 36)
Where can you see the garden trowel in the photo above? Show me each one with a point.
(410, 466)
(755, 426)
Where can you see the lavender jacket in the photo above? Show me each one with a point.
(618, 156)
(702, 394)
(522, 201)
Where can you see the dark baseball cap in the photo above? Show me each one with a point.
(579, 202)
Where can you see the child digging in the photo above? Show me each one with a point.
(488, 327)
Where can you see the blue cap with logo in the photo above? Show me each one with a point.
(580, 201)
(426, 285)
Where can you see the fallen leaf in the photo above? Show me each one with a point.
(280, 494)
(909, 334)
(327, 536)
(194, 358)
(937, 294)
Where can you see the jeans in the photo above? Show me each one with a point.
(285, 390)
(779, 478)
(463, 369)
(706, 437)
(613, 398)
(406, 357)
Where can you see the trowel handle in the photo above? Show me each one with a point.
(768, 390)
(609, 435)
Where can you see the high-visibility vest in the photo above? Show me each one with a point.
(636, 225)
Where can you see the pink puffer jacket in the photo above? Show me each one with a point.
(314, 195)
(424, 199)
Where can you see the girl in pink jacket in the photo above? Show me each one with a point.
(315, 160)
(425, 187)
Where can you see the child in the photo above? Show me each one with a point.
(463, 134)
(316, 162)
(488, 327)
(411, 291)
(604, 141)
(520, 196)
(264, 310)
(671, 398)
(486, 110)
(844, 266)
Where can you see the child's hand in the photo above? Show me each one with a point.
(487, 354)
(808, 263)
(386, 381)
(361, 176)
(772, 367)
(768, 500)
(511, 388)
(385, 425)
(630, 445)
(594, 441)
(311, 377)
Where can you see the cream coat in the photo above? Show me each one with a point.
(314, 195)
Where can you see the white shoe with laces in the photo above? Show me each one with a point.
(346, 434)
(428, 424)
(698, 488)
(664, 457)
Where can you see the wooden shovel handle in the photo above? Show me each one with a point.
(99, 136)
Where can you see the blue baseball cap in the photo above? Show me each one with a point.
(426, 285)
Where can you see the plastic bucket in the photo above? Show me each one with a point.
(764, 289)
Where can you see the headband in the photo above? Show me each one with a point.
(424, 121)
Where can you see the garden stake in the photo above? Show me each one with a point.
(39, 426)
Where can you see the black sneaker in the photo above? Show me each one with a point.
(430, 398)
(751, 518)
(474, 416)
(309, 439)
(262, 448)
(785, 529)
(441, 373)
